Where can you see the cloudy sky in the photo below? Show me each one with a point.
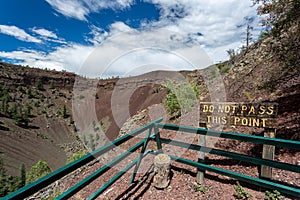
(118, 36)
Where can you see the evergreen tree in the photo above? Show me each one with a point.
(29, 93)
(5, 100)
(22, 176)
(3, 182)
(52, 85)
(2, 170)
(22, 117)
(14, 111)
(5, 92)
(248, 35)
(13, 183)
(5, 106)
(26, 116)
(8, 184)
(39, 85)
(64, 112)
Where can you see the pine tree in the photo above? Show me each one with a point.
(5, 106)
(29, 93)
(26, 117)
(14, 111)
(5, 100)
(39, 85)
(64, 112)
(52, 85)
(3, 181)
(22, 176)
(2, 170)
(248, 35)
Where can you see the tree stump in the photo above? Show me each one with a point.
(162, 165)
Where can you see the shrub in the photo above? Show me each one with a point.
(37, 171)
(200, 188)
(223, 68)
(75, 156)
(275, 195)
(241, 193)
(181, 97)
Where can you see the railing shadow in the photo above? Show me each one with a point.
(136, 186)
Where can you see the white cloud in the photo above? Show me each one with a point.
(96, 35)
(214, 24)
(65, 57)
(184, 33)
(44, 32)
(48, 35)
(18, 33)
(80, 9)
(129, 51)
(119, 27)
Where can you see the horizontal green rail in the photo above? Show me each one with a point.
(60, 173)
(70, 192)
(117, 176)
(291, 144)
(256, 181)
(34, 187)
(241, 157)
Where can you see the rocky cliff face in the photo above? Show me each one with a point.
(32, 125)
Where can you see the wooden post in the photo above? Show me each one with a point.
(201, 157)
(162, 165)
(268, 153)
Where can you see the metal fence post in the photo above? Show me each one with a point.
(141, 156)
(201, 156)
(157, 138)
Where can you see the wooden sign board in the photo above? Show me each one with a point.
(239, 114)
(261, 115)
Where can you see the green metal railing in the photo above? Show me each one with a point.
(154, 127)
(36, 186)
(291, 144)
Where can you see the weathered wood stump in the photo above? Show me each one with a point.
(162, 165)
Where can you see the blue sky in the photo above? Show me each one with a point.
(63, 34)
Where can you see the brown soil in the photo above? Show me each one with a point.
(183, 177)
